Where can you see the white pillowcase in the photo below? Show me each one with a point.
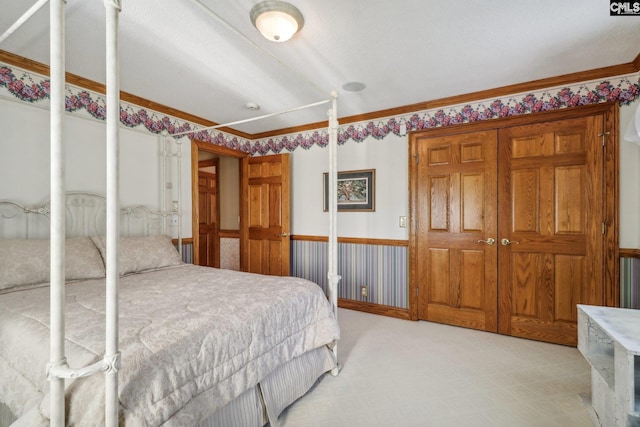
(27, 262)
(139, 254)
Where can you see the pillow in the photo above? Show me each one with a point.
(27, 262)
(141, 253)
(82, 260)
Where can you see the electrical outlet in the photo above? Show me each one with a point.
(364, 292)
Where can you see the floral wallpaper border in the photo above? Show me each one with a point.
(33, 88)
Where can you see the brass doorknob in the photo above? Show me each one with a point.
(506, 242)
(490, 241)
(282, 234)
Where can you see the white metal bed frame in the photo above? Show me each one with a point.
(58, 369)
(85, 216)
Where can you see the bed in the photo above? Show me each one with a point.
(167, 368)
(199, 346)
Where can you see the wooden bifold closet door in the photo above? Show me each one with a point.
(509, 226)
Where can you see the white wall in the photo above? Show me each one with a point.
(24, 173)
(388, 157)
(629, 183)
(229, 180)
(24, 160)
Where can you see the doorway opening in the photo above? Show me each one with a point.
(216, 214)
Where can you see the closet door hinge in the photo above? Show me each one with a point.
(604, 137)
(417, 157)
(604, 228)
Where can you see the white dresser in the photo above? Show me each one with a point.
(609, 338)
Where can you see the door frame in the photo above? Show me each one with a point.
(196, 146)
(216, 163)
(611, 267)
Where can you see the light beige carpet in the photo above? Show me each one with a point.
(402, 373)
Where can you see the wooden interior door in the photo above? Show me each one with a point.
(457, 224)
(265, 232)
(208, 205)
(556, 213)
(552, 213)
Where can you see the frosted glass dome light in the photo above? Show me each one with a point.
(278, 21)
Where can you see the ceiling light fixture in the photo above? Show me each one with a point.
(278, 21)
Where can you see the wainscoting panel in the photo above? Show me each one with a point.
(629, 282)
(187, 250)
(382, 268)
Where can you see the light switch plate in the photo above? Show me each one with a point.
(403, 222)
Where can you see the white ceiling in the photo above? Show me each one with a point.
(205, 57)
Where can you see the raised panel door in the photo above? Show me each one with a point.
(456, 209)
(266, 203)
(551, 215)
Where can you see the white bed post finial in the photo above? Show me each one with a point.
(57, 225)
(333, 276)
(112, 353)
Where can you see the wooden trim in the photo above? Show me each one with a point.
(73, 79)
(244, 212)
(565, 79)
(229, 234)
(412, 255)
(629, 253)
(219, 149)
(195, 205)
(611, 267)
(519, 120)
(196, 146)
(353, 240)
(208, 162)
(309, 238)
(186, 240)
(611, 178)
(367, 307)
(636, 62)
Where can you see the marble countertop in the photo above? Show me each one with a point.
(621, 324)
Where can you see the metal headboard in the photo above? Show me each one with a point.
(86, 216)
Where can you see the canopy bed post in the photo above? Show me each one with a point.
(28, 14)
(176, 205)
(179, 207)
(162, 145)
(333, 276)
(112, 353)
(57, 213)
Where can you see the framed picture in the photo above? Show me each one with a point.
(356, 191)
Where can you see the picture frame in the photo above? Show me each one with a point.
(356, 191)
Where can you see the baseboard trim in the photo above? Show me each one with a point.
(367, 307)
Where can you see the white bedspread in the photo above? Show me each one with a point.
(192, 339)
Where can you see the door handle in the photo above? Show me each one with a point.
(490, 241)
(282, 234)
(506, 242)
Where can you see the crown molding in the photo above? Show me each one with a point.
(581, 76)
(39, 68)
(598, 73)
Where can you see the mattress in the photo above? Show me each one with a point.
(192, 339)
